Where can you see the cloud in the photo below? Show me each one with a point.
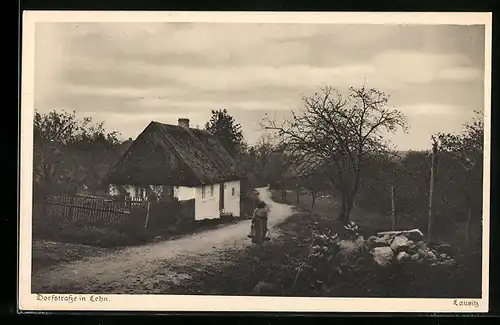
(130, 73)
(460, 74)
(118, 92)
(241, 77)
(139, 100)
(422, 67)
(430, 109)
(213, 57)
(206, 105)
(189, 45)
(387, 70)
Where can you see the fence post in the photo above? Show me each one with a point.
(393, 208)
(431, 231)
(147, 215)
(71, 208)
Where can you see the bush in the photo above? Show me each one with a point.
(324, 273)
(304, 261)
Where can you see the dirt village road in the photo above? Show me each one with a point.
(148, 269)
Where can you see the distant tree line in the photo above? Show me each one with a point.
(336, 144)
(261, 164)
(73, 154)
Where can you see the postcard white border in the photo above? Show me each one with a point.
(179, 303)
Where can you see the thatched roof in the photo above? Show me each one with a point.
(166, 154)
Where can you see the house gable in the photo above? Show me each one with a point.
(199, 155)
(150, 161)
(165, 154)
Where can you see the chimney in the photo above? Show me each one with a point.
(184, 122)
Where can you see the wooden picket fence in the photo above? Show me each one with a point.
(82, 209)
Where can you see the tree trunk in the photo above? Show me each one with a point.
(343, 209)
(349, 197)
(393, 208)
(313, 196)
(431, 231)
(297, 193)
(347, 202)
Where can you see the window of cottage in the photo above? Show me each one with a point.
(233, 191)
(212, 190)
(203, 194)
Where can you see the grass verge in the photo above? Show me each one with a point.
(56, 244)
(46, 254)
(273, 269)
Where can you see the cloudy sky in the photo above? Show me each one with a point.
(128, 74)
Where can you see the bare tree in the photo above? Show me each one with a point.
(338, 131)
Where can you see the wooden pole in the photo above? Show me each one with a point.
(393, 208)
(147, 215)
(71, 209)
(431, 234)
(467, 228)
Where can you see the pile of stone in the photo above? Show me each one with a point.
(407, 246)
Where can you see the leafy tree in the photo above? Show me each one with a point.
(265, 150)
(70, 153)
(466, 149)
(279, 175)
(247, 162)
(264, 163)
(227, 131)
(467, 146)
(339, 131)
(412, 179)
(378, 175)
(315, 183)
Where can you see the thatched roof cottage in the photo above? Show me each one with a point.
(187, 163)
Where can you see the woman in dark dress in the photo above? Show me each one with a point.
(258, 229)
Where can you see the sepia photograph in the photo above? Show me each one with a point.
(182, 161)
